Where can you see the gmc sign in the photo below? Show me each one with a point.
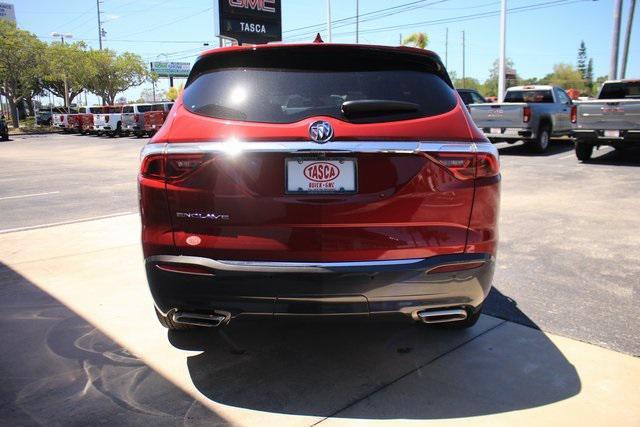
(249, 21)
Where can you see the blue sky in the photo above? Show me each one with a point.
(176, 30)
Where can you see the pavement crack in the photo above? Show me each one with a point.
(401, 377)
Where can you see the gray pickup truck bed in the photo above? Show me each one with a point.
(546, 114)
(612, 119)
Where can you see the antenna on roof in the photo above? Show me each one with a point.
(318, 39)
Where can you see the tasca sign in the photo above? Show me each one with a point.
(249, 21)
(171, 69)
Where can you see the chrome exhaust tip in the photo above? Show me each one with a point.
(442, 316)
(214, 320)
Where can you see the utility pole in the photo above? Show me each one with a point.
(627, 40)
(446, 48)
(329, 19)
(99, 25)
(503, 50)
(357, 19)
(400, 39)
(464, 83)
(64, 77)
(615, 40)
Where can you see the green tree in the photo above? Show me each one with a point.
(20, 65)
(70, 62)
(588, 77)
(491, 84)
(419, 40)
(112, 73)
(173, 92)
(582, 60)
(565, 76)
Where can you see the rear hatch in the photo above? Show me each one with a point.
(245, 181)
(503, 115)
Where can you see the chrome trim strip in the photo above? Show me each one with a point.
(278, 264)
(233, 147)
(232, 266)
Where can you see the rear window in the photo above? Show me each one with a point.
(540, 96)
(145, 108)
(128, 109)
(620, 90)
(289, 85)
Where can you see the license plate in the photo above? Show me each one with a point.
(511, 131)
(321, 175)
(612, 133)
(496, 130)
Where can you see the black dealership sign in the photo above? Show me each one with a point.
(249, 21)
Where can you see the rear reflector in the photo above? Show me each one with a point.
(185, 269)
(456, 267)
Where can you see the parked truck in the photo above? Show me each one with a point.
(533, 114)
(154, 119)
(612, 119)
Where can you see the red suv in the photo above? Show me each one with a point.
(319, 180)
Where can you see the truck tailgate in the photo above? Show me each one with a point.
(504, 115)
(608, 115)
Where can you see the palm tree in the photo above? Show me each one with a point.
(419, 40)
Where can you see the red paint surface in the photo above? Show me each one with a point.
(407, 205)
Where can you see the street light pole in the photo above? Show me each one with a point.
(503, 50)
(64, 76)
(357, 19)
(99, 25)
(329, 19)
(627, 40)
(615, 40)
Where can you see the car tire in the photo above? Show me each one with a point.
(584, 150)
(541, 142)
(5, 137)
(167, 322)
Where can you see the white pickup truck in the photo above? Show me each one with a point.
(530, 113)
(109, 121)
(611, 119)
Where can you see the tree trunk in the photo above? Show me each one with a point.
(32, 112)
(14, 112)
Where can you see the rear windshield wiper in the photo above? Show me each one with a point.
(377, 107)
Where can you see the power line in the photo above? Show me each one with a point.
(384, 12)
(463, 18)
(169, 23)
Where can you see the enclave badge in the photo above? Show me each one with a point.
(321, 131)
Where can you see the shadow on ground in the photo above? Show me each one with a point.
(520, 148)
(625, 157)
(58, 369)
(325, 369)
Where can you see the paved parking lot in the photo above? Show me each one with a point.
(81, 344)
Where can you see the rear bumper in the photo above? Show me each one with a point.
(376, 289)
(597, 137)
(514, 133)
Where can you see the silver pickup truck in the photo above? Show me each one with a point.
(612, 119)
(530, 113)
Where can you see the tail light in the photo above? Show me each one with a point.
(482, 163)
(526, 114)
(456, 267)
(170, 167)
(106, 118)
(574, 114)
(136, 117)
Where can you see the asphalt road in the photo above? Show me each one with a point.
(569, 248)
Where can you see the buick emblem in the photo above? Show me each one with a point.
(321, 131)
